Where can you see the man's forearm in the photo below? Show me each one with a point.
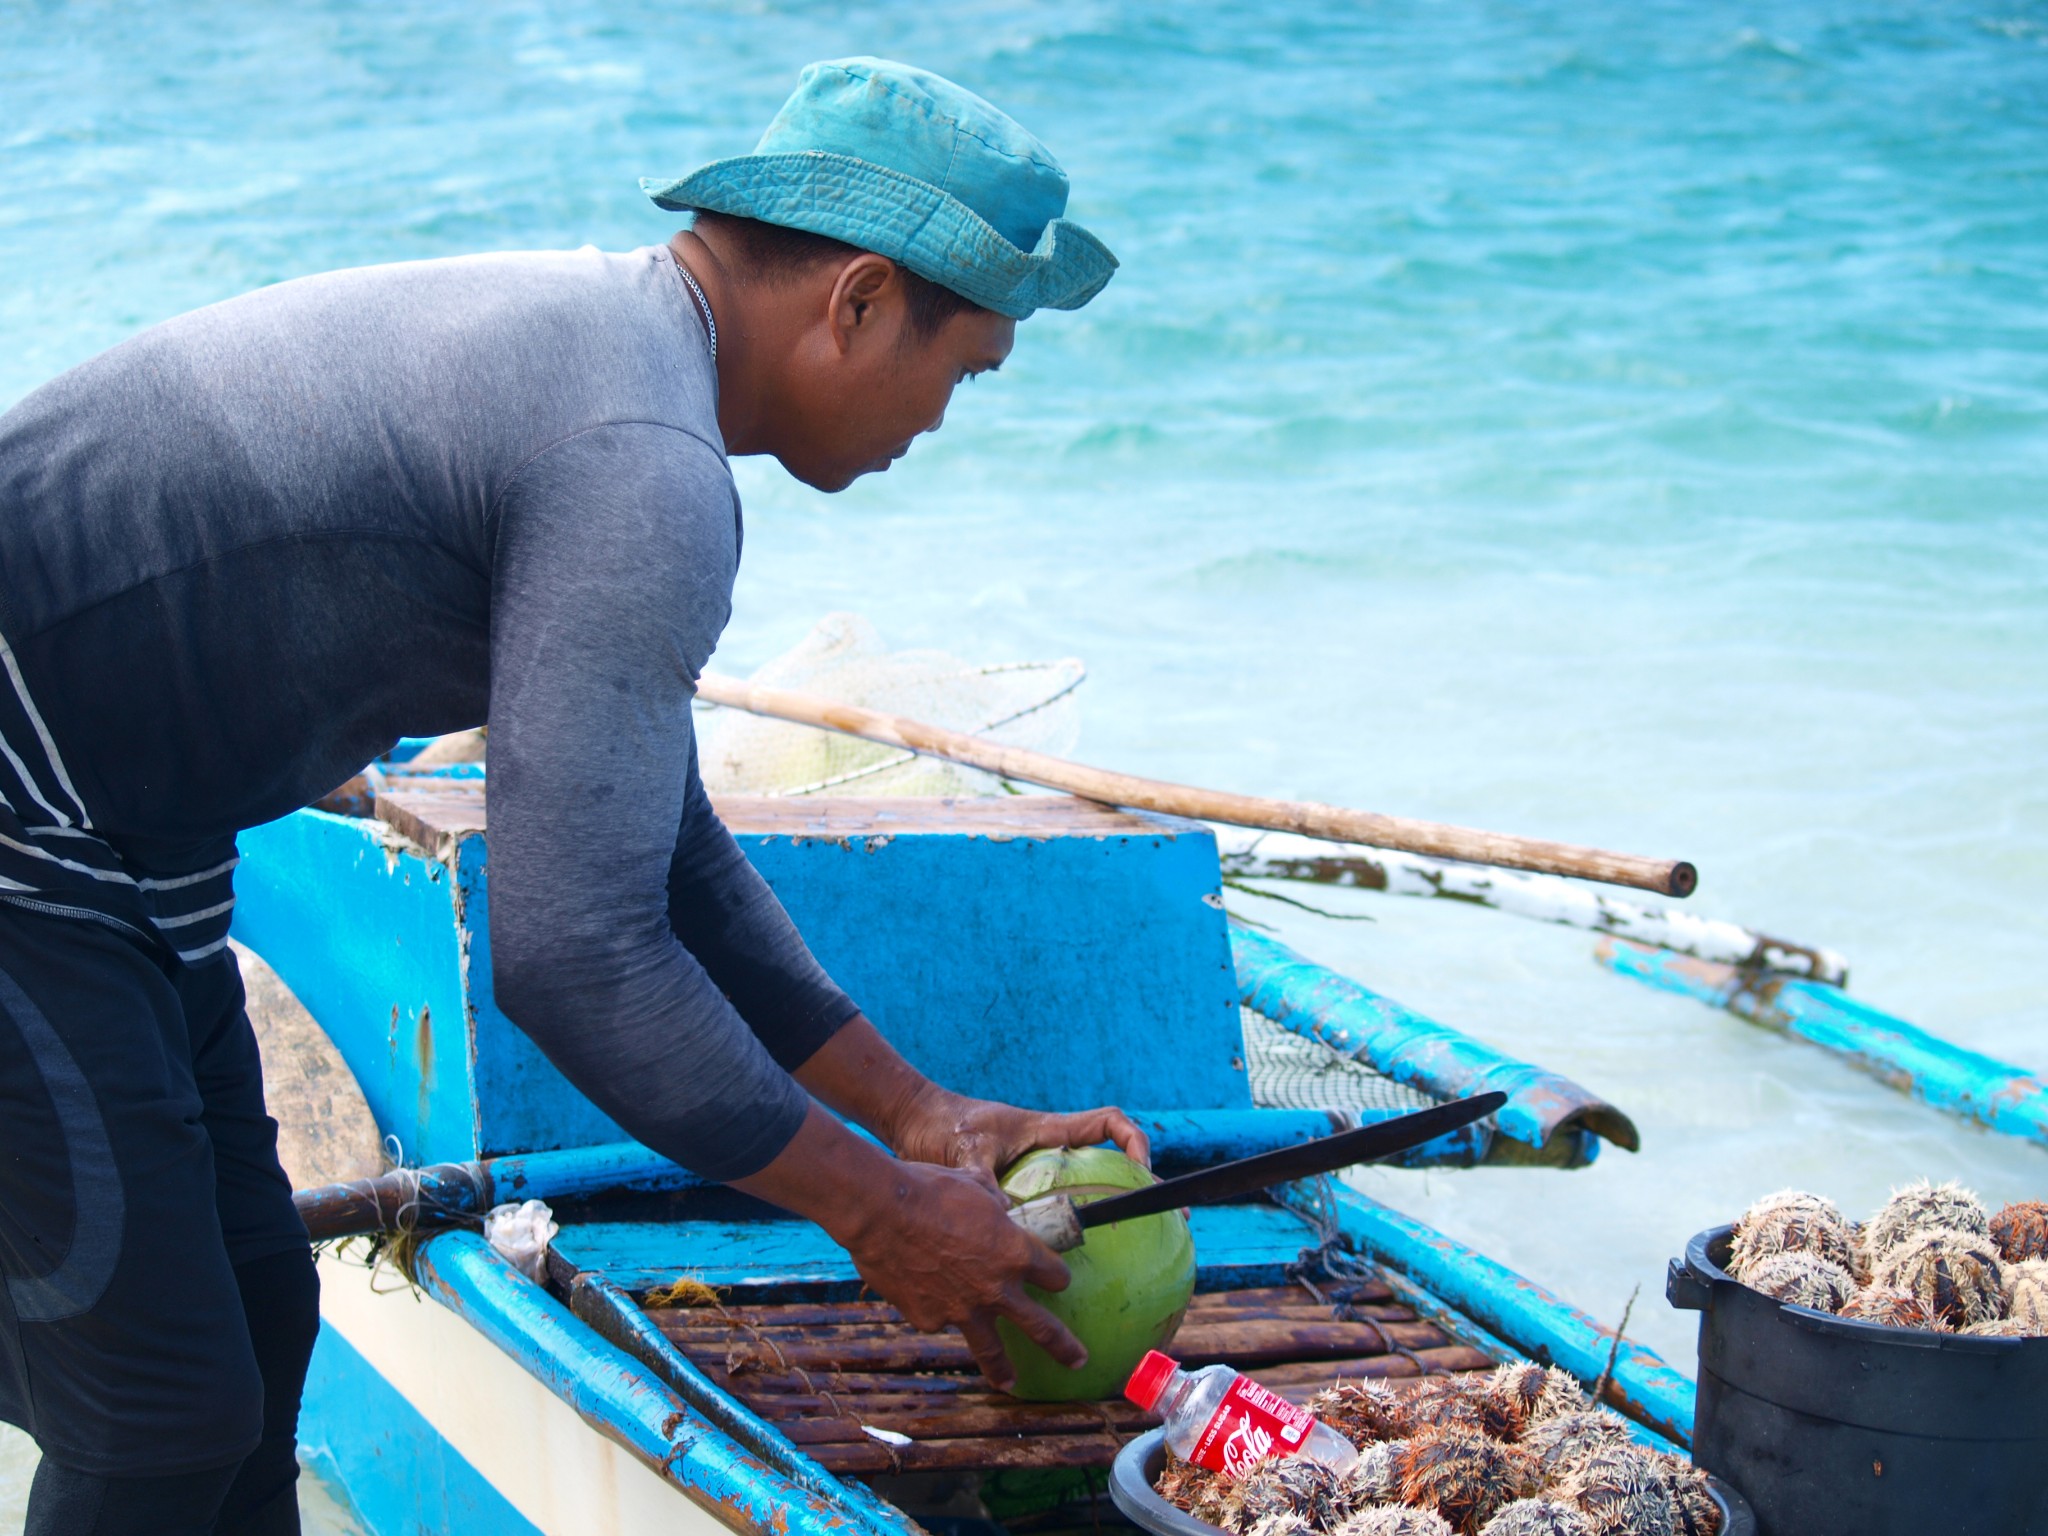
(826, 1174)
(862, 1076)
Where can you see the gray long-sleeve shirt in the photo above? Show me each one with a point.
(246, 550)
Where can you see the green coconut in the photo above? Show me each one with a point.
(1131, 1280)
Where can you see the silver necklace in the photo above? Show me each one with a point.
(710, 324)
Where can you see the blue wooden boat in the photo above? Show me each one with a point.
(694, 1359)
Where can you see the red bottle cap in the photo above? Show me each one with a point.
(1150, 1379)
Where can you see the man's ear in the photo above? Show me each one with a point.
(861, 284)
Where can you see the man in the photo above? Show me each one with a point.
(248, 549)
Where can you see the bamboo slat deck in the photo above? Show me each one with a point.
(826, 1372)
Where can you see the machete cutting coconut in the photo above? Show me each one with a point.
(1130, 1257)
(1127, 1287)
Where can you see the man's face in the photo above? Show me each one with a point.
(860, 413)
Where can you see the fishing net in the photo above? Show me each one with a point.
(1020, 704)
(1288, 1071)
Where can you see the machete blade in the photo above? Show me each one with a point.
(1326, 1154)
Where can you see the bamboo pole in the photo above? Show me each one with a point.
(1249, 855)
(1331, 823)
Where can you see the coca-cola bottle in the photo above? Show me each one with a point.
(1228, 1423)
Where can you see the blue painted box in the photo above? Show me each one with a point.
(1042, 950)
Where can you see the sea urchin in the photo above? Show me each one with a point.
(1447, 1402)
(1803, 1279)
(1559, 1443)
(1464, 1476)
(1375, 1478)
(1537, 1517)
(1923, 1207)
(1620, 1493)
(1893, 1306)
(1527, 1393)
(1956, 1275)
(1361, 1411)
(1292, 1485)
(1395, 1520)
(2021, 1231)
(1795, 1223)
(1693, 1511)
(2026, 1294)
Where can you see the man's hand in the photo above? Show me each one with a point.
(985, 1138)
(936, 1242)
(859, 1074)
(941, 1246)
(930, 1228)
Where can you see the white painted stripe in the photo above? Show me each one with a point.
(28, 782)
(194, 917)
(42, 734)
(177, 880)
(550, 1465)
(120, 876)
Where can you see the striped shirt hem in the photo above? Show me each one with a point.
(53, 860)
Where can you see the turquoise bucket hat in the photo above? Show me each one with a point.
(905, 163)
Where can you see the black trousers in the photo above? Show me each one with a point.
(160, 1304)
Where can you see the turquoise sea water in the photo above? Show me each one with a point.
(1623, 423)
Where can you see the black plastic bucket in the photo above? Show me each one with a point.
(1139, 1463)
(1829, 1425)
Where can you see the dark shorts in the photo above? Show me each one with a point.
(137, 1169)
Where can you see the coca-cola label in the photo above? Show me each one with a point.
(1247, 1427)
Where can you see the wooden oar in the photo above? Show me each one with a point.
(1668, 877)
